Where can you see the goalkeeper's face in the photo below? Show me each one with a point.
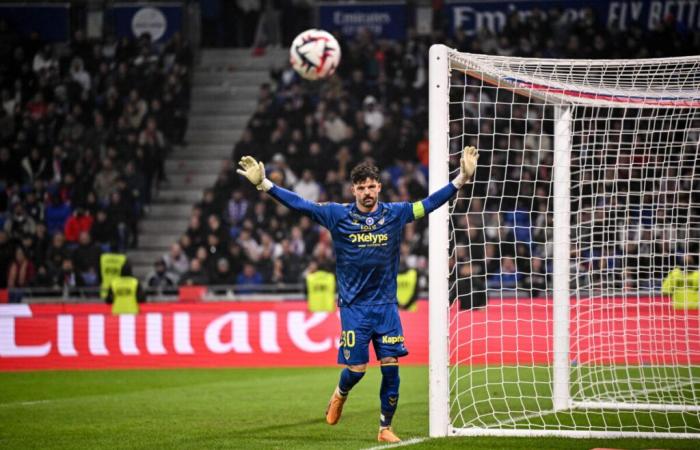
(366, 194)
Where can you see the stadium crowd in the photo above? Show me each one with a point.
(311, 134)
(85, 128)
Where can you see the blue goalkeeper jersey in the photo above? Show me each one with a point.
(366, 244)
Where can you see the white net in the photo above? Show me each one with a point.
(632, 144)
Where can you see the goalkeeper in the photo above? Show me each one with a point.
(366, 236)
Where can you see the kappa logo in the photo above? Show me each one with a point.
(392, 339)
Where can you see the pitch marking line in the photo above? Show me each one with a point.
(29, 403)
(399, 444)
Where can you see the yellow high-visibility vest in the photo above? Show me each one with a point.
(683, 287)
(124, 290)
(110, 267)
(406, 288)
(320, 287)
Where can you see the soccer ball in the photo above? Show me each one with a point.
(314, 54)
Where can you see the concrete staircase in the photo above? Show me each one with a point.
(224, 96)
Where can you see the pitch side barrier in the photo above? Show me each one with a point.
(264, 292)
(256, 332)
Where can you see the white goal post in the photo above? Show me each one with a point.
(554, 310)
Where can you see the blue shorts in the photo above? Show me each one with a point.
(364, 323)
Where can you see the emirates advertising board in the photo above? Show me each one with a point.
(645, 330)
(216, 334)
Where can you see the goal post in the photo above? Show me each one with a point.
(563, 288)
(439, 242)
(561, 179)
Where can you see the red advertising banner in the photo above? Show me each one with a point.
(285, 334)
(602, 330)
(222, 334)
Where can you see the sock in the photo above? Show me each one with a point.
(348, 379)
(389, 393)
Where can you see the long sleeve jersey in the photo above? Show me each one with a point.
(366, 245)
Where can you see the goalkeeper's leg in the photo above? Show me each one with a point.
(389, 396)
(353, 353)
(349, 377)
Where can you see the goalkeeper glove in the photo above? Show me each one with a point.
(254, 171)
(467, 166)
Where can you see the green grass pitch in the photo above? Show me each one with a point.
(228, 408)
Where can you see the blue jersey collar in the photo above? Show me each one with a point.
(380, 211)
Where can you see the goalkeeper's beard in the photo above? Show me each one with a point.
(369, 201)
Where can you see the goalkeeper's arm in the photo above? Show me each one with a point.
(467, 166)
(254, 171)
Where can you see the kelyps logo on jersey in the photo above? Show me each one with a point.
(369, 238)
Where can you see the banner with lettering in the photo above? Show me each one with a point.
(472, 16)
(645, 330)
(220, 334)
(160, 20)
(386, 20)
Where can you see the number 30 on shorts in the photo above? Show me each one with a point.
(347, 338)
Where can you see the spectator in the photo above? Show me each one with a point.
(103, 232)
(21, 272)
(106, 180)
(86, 259)
(33, 207)
(176, 262)
(222, 275)
(45, 60)
(374, 118)
(79, 75)
(249, 278)
(195, 276)
(470, 289)
(153, 142)
(6, 256)
(35, 167)
(80, 222)
(119, 214)
(67, 276)
(236, 211)
(307, 187)
(159, 278)
(507, 278)
(19, 223)
(536, 281)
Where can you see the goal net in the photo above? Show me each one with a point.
(564, 279)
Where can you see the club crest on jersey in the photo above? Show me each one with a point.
(369, 221)
(346, 353)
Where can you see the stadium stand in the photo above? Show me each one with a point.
(85, 128)
(310, 136)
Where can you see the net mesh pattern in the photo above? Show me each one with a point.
(634, 357)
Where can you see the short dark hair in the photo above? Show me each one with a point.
(363, 171)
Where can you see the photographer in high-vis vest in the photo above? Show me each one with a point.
(683, 285)
(125, 293)
(110, 267)
(320, 289)
(406, 288)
